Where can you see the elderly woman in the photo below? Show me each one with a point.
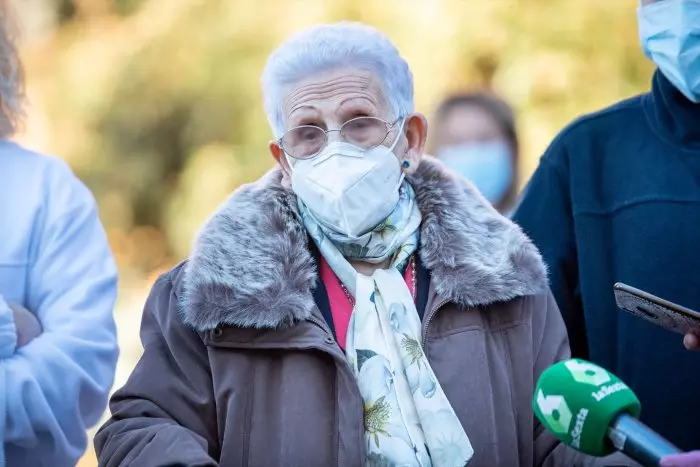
(358, 305)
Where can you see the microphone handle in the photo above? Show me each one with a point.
(638, 441)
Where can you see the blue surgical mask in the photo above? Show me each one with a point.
(670, 34)
(488, 165)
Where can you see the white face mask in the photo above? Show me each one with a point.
(349, 189)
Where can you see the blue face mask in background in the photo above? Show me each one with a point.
(670, 34)
(488, 165)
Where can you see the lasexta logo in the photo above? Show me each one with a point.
(555, 411)
(578, 428)
(587, 373)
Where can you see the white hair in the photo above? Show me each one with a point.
(11, 77)
(329, 46)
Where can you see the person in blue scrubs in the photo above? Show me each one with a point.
(58, 346)
(475, 136)
(616, 198)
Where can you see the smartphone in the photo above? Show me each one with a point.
(656, 310)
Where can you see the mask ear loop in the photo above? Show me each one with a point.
(290, 161)
(398, 136)
(401, 179)
(405, 164)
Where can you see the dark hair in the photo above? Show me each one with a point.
(504, 116)
(499, 110)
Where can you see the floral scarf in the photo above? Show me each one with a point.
(408, 419)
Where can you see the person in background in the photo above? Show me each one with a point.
(58, 347)
(358, 305)
(475, 135)
(616, 198)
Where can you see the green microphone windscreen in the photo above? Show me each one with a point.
(577, 401)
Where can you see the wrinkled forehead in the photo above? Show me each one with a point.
(336, 93)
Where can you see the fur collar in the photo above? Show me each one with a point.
(251, 266)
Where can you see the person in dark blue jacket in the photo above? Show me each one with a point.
(616, 198)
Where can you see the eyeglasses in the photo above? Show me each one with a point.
(306, 141)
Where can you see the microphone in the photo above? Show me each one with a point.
(593, 411)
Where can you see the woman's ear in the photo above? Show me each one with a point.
(416, 131)
(278, 154)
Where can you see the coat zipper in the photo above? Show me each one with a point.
(324, 326)
(431, 315)
(321, 324)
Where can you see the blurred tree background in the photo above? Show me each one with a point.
(156, 103)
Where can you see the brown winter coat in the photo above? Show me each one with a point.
(240, 369)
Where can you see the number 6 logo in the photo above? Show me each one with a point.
(555, 412)
(587, 373)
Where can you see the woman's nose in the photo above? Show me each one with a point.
(334, 135)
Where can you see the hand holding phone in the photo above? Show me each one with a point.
(692, 341)
(661, 312)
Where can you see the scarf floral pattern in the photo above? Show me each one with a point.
(408, 419)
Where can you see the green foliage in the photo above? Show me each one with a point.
(127, 7)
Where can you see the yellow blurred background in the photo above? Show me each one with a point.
(156, 103)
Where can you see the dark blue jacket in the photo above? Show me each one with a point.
(616, 197)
